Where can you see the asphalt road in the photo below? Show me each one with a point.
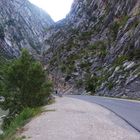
(74, 119)
(126, 109)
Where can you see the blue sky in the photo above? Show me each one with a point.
(57, 9)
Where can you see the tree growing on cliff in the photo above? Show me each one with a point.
(91, 83)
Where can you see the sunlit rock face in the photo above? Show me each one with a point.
(100, 38)
(22, 25)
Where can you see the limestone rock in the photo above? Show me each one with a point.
(22, 25)
(100, 37)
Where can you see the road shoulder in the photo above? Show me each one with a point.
(74, 119)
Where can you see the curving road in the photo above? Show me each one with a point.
(74, 119)
(126, 109)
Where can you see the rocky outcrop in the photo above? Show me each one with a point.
(98, 42)
(22, 25)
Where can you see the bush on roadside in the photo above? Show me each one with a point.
(18, 122)
(25, 85)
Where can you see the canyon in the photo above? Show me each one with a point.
(96, 46)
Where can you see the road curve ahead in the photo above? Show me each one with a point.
(126, 109)
(74, 119)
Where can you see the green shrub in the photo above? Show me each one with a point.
(93, 47)
(85, 35)
(63, 68)
(85, 65)
(1, 32)
(3, 62)
(99, 48)
(25, 85)
(123, 20)
(110, 85)
(79, 83)
(135, 24)
(119, 61)
(18, 122)
(69, 69)
(103, 52)
(137, 54)
(134, 54)
(68, 65)
(114, 28)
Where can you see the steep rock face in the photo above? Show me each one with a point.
(22, 25)
(98, 42)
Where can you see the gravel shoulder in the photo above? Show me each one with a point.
(74, 119)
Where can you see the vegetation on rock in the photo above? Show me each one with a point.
(1, 32)
(25, 85)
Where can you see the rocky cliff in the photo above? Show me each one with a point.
(97, 47)
(22, 25)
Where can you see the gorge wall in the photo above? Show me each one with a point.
(97, 43)
(22, 25)
(96, 46)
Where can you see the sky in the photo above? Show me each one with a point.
(57, 9)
